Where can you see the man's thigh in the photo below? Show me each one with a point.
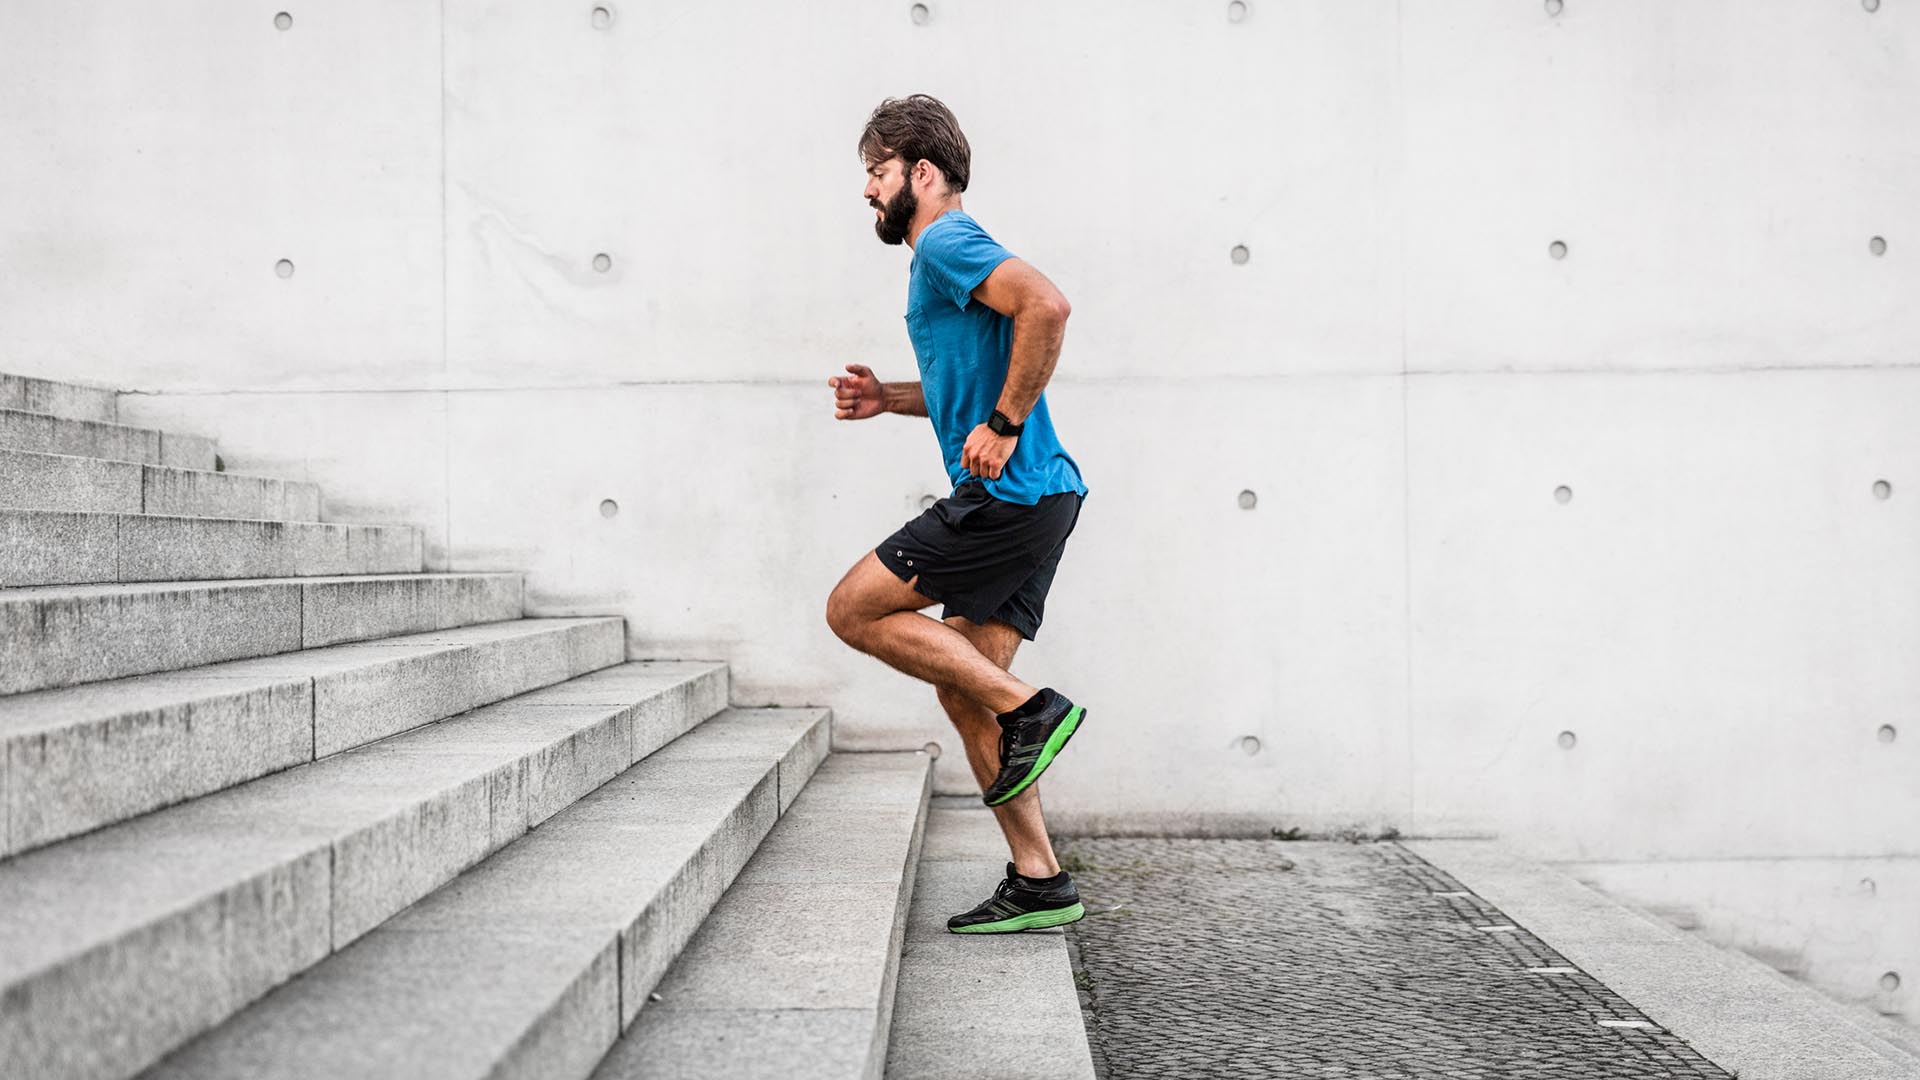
(995, 639)
(870, 591)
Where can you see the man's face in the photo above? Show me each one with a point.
(891, 195)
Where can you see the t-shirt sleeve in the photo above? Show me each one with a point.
(959, 256)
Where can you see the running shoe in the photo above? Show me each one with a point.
(1018, 904)
(1028, 745)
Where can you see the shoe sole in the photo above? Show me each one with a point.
(1033, 920)
(1055, 743)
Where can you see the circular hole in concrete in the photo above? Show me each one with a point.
(921, 14)
(1557, 249)
(1236, 11)
(1554, 7)
(603, 263)
(1887, 733)
(1870, 5)
(932, 750)
(1567, 740)
(602, 18)
(927, 501)
(1248, 500)
(1250, 745)
(1877, 245)
(283, 20)
(1890, 981)
(1882, 489)
(1867, 885)
(1562, 494)
(608, 508)
(1240, 255)
(284, 268)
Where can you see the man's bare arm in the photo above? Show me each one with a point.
(904, 398)
(860, 394)
(1039, 314)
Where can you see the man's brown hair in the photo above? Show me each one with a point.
(918, 127)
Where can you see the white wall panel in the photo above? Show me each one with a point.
(1716, 170)
(162, 158)
(1723, 613)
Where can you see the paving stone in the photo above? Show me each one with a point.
(1252, 958)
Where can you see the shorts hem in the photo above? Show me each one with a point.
(906, 573)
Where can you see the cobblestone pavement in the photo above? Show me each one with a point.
(1259, 958)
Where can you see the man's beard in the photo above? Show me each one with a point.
(896, 216)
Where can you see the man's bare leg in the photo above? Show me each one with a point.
(879, 614)
(1020, 817)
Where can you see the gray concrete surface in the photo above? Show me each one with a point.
(71, 401)
(62, 635)
(986, 1006)
(30, 481)
(188, 451)
(40, 547)
(215, 901)
(77, 758)
(198, 493)
(1733, 1008)
(43, 434)
(357, 609)
(793, 972)
(525, 964)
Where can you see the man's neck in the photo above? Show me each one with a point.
(930, 212)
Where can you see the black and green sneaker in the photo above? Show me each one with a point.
(1028, 744)
(1022, 904)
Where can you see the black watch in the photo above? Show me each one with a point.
(1000, 425)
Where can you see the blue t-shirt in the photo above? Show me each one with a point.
(963, 347)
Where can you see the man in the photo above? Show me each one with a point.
(986, 329)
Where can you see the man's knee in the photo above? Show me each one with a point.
(843, 615)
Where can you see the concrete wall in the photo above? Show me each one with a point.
(1721, 612)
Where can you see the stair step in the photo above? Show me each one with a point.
(792, 975)
(80, 758)
(30, 481)
(24, 393)
(528, 964)
(48, 547)
(950, 1014)
(123, 944)
(63, 635)
(43, 434)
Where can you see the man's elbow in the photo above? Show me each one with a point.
(1051, 307)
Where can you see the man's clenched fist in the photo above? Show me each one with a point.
(986, 453)
(858, 395)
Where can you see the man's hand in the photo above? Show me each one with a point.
(986, 453)
(859, 395)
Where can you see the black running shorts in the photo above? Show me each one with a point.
(985, 558)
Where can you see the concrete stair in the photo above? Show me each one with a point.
(30, 481)
(952, 1017)
(40, 433)
(532, 962)
(61, 635)
(44, 547)
(276, 802)
(77, 758)
(793, 973)
(70, 400)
